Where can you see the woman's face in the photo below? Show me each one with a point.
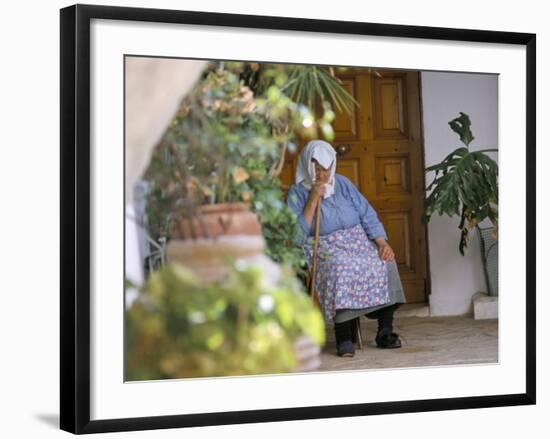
(322, 174)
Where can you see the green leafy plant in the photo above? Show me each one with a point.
(465, 184)
(279, 222)
(244, 325)
(219, 125)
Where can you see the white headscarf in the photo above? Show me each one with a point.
(325, 154)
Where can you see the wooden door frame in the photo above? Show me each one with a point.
(423, 154)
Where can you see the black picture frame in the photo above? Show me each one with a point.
(75, 217)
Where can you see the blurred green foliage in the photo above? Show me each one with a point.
(242, 325)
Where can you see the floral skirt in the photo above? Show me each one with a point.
(350, 273)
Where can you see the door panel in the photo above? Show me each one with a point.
(393, 174)
(349, 167)
(384, 159)
(398, 225)
(346, 125)
(287, 175)
(390, 115)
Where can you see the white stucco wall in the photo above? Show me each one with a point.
(455, 278)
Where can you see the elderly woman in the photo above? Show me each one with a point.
(356, 269)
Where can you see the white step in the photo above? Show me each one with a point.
(413, 310)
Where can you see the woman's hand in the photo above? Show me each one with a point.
(315, 194)
(384, 250)
(318, 189)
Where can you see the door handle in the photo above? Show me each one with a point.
(342, 150)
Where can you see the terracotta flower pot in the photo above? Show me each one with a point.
(216, 220)
(229, 229)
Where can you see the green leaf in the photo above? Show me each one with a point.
(461, 126)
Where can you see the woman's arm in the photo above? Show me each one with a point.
(309, 210)
(315, 194)
(304, 205)
(369, 220)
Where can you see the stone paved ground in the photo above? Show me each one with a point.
(427, 341)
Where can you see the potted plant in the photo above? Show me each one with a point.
(465, 184)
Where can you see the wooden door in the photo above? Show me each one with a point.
(380, 151)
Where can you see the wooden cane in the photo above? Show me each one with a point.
(312, 291)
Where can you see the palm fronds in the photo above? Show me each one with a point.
(306, 82)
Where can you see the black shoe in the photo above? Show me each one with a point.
(344, 338)
(346, 348)
(387, 340)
